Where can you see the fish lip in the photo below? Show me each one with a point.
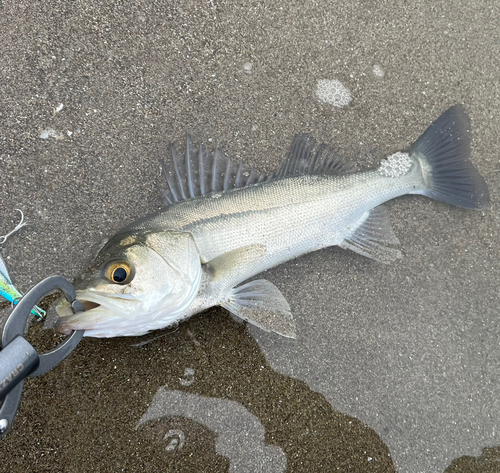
(91, 301)
(63, 328)
(69, 323)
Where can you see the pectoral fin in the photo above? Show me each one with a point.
(261, 304)
(235, 266)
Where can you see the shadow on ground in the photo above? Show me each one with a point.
(82, 416)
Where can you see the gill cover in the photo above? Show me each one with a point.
(179, 277)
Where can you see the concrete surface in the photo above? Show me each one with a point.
(395, 367)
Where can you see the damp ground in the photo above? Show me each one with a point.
(395, 368)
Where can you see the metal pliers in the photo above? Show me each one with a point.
(18, 359)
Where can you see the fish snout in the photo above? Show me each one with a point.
(63, 327)
(68, 320)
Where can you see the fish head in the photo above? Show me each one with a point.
(139, 281)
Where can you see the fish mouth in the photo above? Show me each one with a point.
(88, 305)
(99, 307)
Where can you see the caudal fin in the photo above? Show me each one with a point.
(444, 153)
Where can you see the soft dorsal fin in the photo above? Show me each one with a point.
(200, 171)
(305, 158)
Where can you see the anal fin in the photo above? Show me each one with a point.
(261, 304)
(375, 238)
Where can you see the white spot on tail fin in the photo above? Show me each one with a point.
(396, 165)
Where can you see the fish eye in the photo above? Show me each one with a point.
(119, 272)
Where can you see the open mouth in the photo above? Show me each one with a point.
(97, 305)
(104, 314)
(98, 308)
(89, 305)
(64, 310)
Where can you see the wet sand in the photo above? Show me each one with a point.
(83, 415)
(390, 361)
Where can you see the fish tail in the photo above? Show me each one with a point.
(444, 155)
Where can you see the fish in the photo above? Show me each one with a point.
(7, 289)
(226, 223)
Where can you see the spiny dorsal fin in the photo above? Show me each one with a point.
(200, 171)
(304, 158)
(375, 238)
